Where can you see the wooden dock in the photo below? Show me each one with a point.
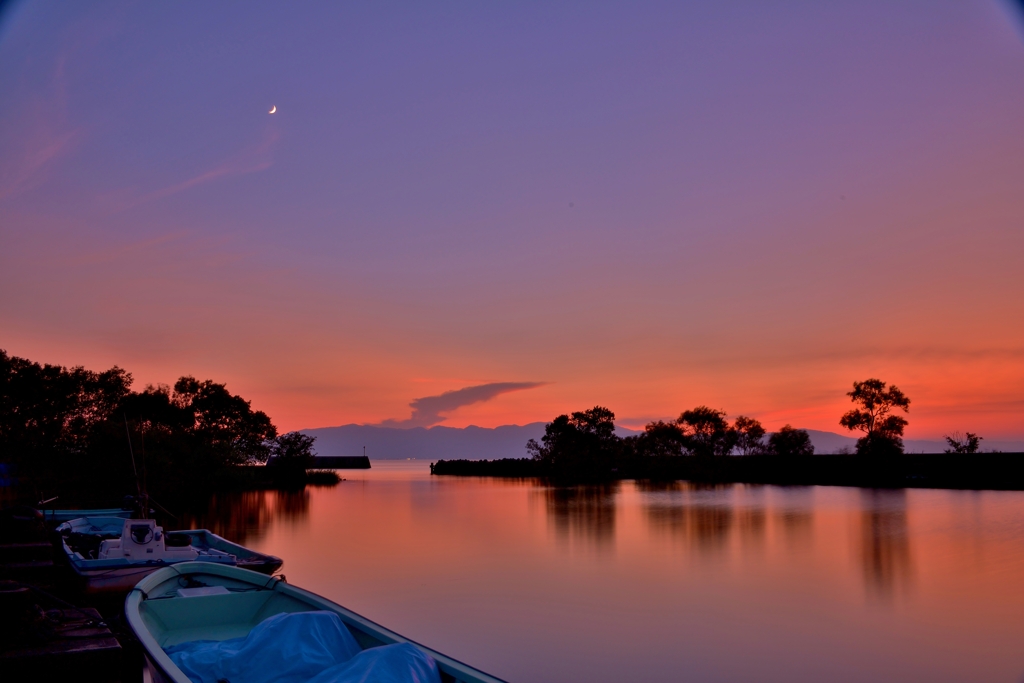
(43, 637)
(31, 560)
(62, 645)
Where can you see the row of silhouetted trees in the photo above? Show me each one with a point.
(584, 443)
(74, 432)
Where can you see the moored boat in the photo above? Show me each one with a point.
(110, 554)
(199, 605)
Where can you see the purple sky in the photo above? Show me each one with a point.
(643, 205)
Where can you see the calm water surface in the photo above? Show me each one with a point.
(672, 583)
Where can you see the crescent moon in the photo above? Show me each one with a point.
(272, 109)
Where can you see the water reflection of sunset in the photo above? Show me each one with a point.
(244, 516)
(582, 514)
(810, 584)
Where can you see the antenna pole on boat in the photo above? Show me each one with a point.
(145, 490)
(154, 501)
(138, 487)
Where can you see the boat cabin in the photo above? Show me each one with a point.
(142, 539)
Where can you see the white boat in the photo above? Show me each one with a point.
(110, 554)
(206, 604)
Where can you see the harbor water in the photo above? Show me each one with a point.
(661, 583)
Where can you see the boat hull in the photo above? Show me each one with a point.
(111, 580)
(160, 617)
(94, 576)
(151, 673)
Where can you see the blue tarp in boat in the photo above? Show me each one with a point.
(301, 647)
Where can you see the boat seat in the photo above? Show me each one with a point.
(216, 617)
(175, 540)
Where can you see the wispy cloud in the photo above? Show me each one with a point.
(249, 160)
(42, 147)
(42, 136)
(427, 411)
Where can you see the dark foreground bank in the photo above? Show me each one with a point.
(1000, 471)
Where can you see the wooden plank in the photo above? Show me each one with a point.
(22, 552)
(82, 647)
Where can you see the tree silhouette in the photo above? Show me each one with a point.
(883, 431)
(227, 422)
(48, 409)
(749, 436)
(706, 431)
(290, 456)
(578, 446)
(790, 441)
(294, 447)
(659, 438)
(963, 443)
(74, 432)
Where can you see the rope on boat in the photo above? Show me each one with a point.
(145, 595)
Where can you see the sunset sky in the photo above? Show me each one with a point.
(642, 205)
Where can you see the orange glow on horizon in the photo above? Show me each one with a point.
(721, 214)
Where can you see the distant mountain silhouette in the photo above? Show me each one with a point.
(433, 443)
(509, 441)
(830, 442)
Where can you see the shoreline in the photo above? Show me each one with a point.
(978, 471)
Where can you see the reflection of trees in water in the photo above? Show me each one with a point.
(245, 515)
(679, 486)
(751, 523)
(707, 527)
(292, 506)
(797, 525)
(584, 513)
(885, 541)
(687, 515)
(752, 514)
